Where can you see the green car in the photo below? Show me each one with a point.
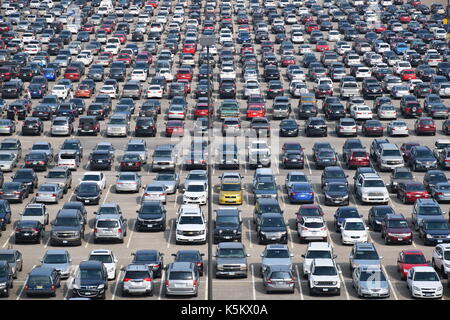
(229, 108)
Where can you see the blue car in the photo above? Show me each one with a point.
(50, 74)
(244, 37)
(301, 193)
(344, 213)
(36, 91)
(434, 231)
(401, 47)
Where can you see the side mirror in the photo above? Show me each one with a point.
(173, 255)
(291, 254)
(367, 228)
(381, 257)
(95, 212)
(248, 254)
(302, 255)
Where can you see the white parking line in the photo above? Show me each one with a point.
(107, 194)
(291, 241)
(253, 281)
(343, 282)
(89, 239)
(176, 198)
(8, 239)
(69, 287)
(390, 283)
(206, 281)
(117, 283)
(161, 284)
(277, 164)
(23, 287)
(299, 283)
(170, 234)
(250, 233)
(48, 241)
(307, 163)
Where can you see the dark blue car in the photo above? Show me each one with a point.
(434, 231)
(50, 74)
(301, 193)
(344, 213)
(42, 281)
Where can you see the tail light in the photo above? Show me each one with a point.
(18, 230)
(440, 194)
(126, 279)
(41, 162)
(194, 283)
(147, 279)
(16, 192)
(95, 230)
(53, 194)
(269, 280)
(120, 230)
(167, 283)
(199, 264)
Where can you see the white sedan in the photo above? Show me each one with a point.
(109, 90)
(97, 177)
(139, 75)
(354, 230)
(398, 128)
(387, 111)
(154, 91)
(61, 91)
(361, 112)
(334, 35)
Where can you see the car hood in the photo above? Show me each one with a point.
(358, 233)
(273, 229)
(377, 189)
(150, 216)
(65, 228)
(375, 284)
(276, 262)
(194, 194)
(60, 181)
(366, 262)
(426, 159)
(190, 227)
(167, 184)
(336, 193)
(438, 232)
(87, 194)
(57, 266)
(427, 284)
(398, 230)
(265, 192)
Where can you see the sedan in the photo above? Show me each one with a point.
(397, 128)
(365, 284)
(174, 127)
(301, 193)
(49, 192)
(409, 192)
(387, 111)
(336, 193)
(399, 91)
(372, 128)
(88, 193)
(325, 158)
(7, 126)
(29, 231)
(14, 191)
(8, 161)
(151, 258)
(425, 125)
(128, 181)
(154, 192)
(288, 128)
(131, 162)
(441, 192)
(36, 160)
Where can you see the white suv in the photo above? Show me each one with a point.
(190, 225)
(316, 250)
(195, 192)
(324, 277)
(441, 259)
(370, 188)
(108, 259)
(424, 282)
(354, 230)
(312, 228)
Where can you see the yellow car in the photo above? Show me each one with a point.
(231, 193)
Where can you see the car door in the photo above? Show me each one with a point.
(437, 257)
(355, 277)
(400, 260)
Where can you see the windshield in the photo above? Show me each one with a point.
(354, 226)
(162, 154)
(430, 211)
(55, 258)
(105, 258)
(231, 187)
(90, 274)
(70, 222)
(195, 188)
(227, 221)
(403, 175)
(436, 225)
(165, 177)
(426, 276)
(91, 177)
(87, 187)
(6, 157)
(47, 188)
(265, 186)
(180, 275)
(366, 255)
(392, 153)
(190, 220)
(272, 222)
(325, 271)
(56, 174)
(277, 254)
(9, 257)
(372, 276)
(336, 174)
(298, 178)
(231, 253)
(31, 212)
(374, 183)
(39, 281)
(318, 254)
(118, 121)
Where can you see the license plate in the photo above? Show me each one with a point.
(428, 294)
(39, 287)
(149, 225)
(325, 289)
(400, 239)
(227, 237)
(26, 234)
(191, 239)
(86, 201)
(439, 241)
(232, 273)
(64, 241)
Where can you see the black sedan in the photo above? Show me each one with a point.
(336, 193)
(29, 231)
(288, 128)
(36, 160)
(193, 256)
(101, 160)
(293, 159)
(88, 193)
(152, 258)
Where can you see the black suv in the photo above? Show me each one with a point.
(101, 160)
(12, 89)
(422, 158)
(91, 281)
(67, 228)
(27, 177)
(316, 126)
(227, 226)
(32, 126)
(151, 216)
(271, 72)
(145, 126)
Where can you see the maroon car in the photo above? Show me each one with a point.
(425, 125)
(409, 192)
(174, 127)
(131, 162)
(395, 229)
(372, 128)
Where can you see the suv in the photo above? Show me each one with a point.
(324, 277)
(389, 157)
(395, 229)
(137, 279)
(138, 146)
(271, 228)
(316, 250)
(61, 176)
(91, 280)
(316, 126)
(35, 212)
(67, 228)
(227, 226)
(11, 145)
(182, 278)
(399, 175)
(364, 254)
(425, 209)
(151, 216)
(441, 259)
(231, 260)
(190, 225)
(110, 227)
(164, 157)
(88, 125)
(6, 278)
(370, 188)
(346, 126)
(422, 158)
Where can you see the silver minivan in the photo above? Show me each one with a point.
(110, 227)
(182, 279)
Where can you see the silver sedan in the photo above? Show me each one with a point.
(49, 192)
(154, 192)
(169, 180)
(398, 128)
(128, 182)
(8, 161)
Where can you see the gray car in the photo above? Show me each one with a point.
(276, 255)
(231, 260)
(128, 182)
(11, 146)
(58, 259)
(138, 146)
(61, 176)
(8, 161)
(110, 227)
(137, 279)
(44, 147)
(164, 157)
(49, 192)
(278, 278)
(370, 281)
(399, 175)
(441, 192)
(14, 259)
(364, 254)
(118, 125)
(154, 192)
(182, 278)
(170, 181)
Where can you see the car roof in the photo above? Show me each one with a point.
(43, 271)
(324, 262)
(136, 267)
(230, 245)
(319, 246)
(56, 251)
(181, 266)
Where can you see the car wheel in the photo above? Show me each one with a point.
(386, 240)
(444, 275)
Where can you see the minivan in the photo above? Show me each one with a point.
(182, 279)
(42, 281)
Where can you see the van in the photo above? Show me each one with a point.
(182, 279)
(42, 281)
(70, 160)
(110, 227)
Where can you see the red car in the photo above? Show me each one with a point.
(83, 91)
(255, 111)
(174, 127)
(131, 162)
(106, 27)
(187, 85)
(189, 48)
(267, 44)
(372, 128)
(308, 210)
(152, 3)
(410, 191)
(358, 158)
(406, 149)
(322, 46)
(247, 47)
(408, 259)
(72, 74)
(245, 27)
(395, 229)
(307, 18)
(201, 110)
(425, 125)
(287, 60)
(311, 26)
(121, 36)
(380, 28)
(404, 18)
(88, 27)
(408, 74)
(125, 57)
(144, 57)
(7, 73)
(184, 74)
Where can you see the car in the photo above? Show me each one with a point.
(49, 192)
(231, 260)
(324, 277)
(58, 259)
(316, 126)
(372, 128)
(42, 281)
(424, 282)
(425, 125)
(397, 128)
(346, 126)
(91, 281)
(183, 275)
(362, 280)
(108, 259)
(301, 193)
(193, 256)
(336, 193)
(14, 191)
(137, 279)
(28, 230)
(128, 181)
(422, 158)
(353, 230)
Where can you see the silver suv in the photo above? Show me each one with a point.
(231, 260)
(61, 126)
(164, 157)
(389, 157)
(137, 279)
(61, 176)
(182, 279)
(110, 227)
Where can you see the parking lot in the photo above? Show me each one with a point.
(250, 288)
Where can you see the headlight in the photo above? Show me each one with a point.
(439, 289)
(316, 282)
(2, 284)
(202, 231)
(334, 283)
(76, 287)
(429, 236)
(234, 231)
(416, 288)
(179, 232)
(101, 286)
(219, 267)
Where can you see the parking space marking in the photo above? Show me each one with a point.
(343, 282)
(130, 236)
(161, 283)
(390, 283)
(291, 241)
(299, 283)
(89, 239)
(250, 233)
(253, 283)
(48, 241)
(8, 239)
(23, 287)
(307, 164)
(170, 234)
(117, 283)
(107, 194)
(68, 287)
(206, 280)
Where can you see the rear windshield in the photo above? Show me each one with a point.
(107, 224)
(180, 275)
